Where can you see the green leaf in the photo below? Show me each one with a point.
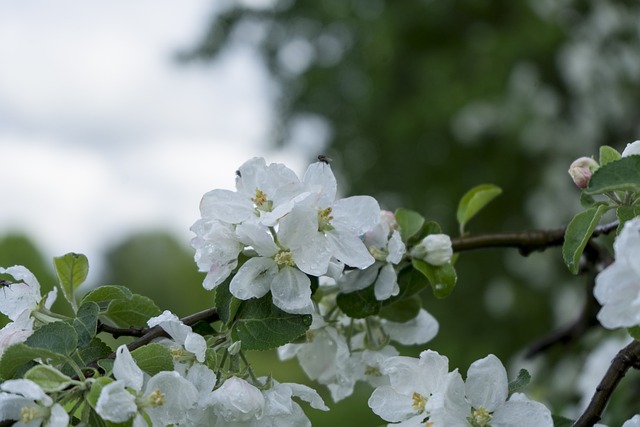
(153, 358)
(411, 282)
(17, 356)
(608, 155)
(133, 312)
(621, 175)
(578, 233)
(403, 310)
(634, 331)
(520, 382)
(49, 378)
(94, 350)
(86, 322)
(442, 278)
(105, 294)
(226, 303)
(410, 223)
(57, 337)
(429, 227)
(72, 270)
(624, 214)
(587, 201)
(260, 325)
(359, 304)
(474, 200)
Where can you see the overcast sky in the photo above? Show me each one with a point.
(101, 133)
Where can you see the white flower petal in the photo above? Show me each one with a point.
(203, 378)
(28, 389)
(356, 280)
(386, 284)
(396, 248)
(227, 206)
(115, 403)
(20, 296)
(356, 214)
(419, 330)
(58, 417)
(172, 325)
(487, 385)
(257, 236)
(126, 370)
(291, 291)
(179, 396)
(319, 179)
(308, 395)
(349, 249)
(254, 278)
(196, 344)
(237, 400)
(631, 149)
(390, 405)
(522, 412)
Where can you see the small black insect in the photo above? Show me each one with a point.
(5, 284)
(324, 159)
(238, 174)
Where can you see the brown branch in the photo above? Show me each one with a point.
(597, 260)
(526, 241)
(626, 358)
(209, 315)
(121, 332)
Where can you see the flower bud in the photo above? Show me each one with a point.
(631, 149)
(435, 249)
(581, 171)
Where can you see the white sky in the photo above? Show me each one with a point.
(102, 134)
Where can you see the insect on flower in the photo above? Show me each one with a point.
(5, 284)
(325, 159)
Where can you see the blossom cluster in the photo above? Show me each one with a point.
(423, 392)
(193, 394)
(288, 229)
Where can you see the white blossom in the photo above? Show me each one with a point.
(17, 331)
(237, 400)
(181, 334)
(418, 389)
(617, 287)
(434, 249)
(631, 149)
(166, 397)
(24, 401)
(23, 295)
(487, 389)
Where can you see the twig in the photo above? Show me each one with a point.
(597, 260)
(526, 241)
(626, 358)
(121, 332)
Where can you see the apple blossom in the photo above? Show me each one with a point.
(435, 249)
(25, 401)
(181, 334)
(617, 287)
(631, 149)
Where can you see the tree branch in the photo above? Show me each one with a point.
(626, 358)
(149, 334)
(526, 241)
(597, 260)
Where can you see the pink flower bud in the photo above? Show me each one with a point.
(581, 171)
